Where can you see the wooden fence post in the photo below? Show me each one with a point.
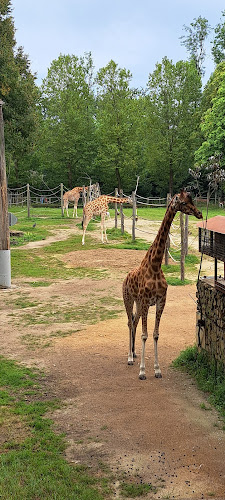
(134, 215)
(182, 252)
(28, 201)
(186, 233)
(61, 191)
(5, 261)
(121, 213)
(116, 194)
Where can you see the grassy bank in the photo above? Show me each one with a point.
(31, 455)
(209, 375)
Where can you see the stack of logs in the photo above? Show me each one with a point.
(210, 328)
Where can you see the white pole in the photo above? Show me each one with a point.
(5, 269)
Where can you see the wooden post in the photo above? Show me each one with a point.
(61, 196)
(5, 264)
(168, 237)
(121, 213)
(186, 233)
(134, 215)
(116, 194)
(28, 201)
(182, 252)
(88, 194)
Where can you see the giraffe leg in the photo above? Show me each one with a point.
(75, 210)
(103, 229)
(67, 204)
(144, 337)
(85, 225)
(160, 304)
(135, 320)
(128, 303)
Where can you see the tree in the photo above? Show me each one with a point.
(19, 92)
(213, 119)
(174, 92)
(197, 33)
(68, 130)
(116, 127)
(218, 48)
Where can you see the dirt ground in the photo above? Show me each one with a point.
(156, 431)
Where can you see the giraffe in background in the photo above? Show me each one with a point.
(146, 285)
(100, 206)
(72, 196)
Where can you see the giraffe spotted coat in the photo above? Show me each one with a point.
(146, 285)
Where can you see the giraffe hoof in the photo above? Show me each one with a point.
(158, 375)
(130, 363)
(142, 377)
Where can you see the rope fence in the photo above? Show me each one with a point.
(28, 196)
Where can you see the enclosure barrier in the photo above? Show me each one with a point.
(210, 324)
(29, 196)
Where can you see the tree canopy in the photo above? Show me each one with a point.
(81, 123)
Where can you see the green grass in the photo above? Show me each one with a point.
(136, 490)
(174, 281)
(32, 465)
(209, 374)
(42, 263)
(125, 240)
(98, 310)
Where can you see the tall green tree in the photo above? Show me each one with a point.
(218, 44)
(213, 119)
(117, 117)
(174, 92)
(68, 126)
(20, 95)
(194, 41)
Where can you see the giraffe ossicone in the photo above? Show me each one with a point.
(146, 285)
(100, 206)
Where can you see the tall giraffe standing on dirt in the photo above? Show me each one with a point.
(146, 285)
(100, 206)
(73, 196)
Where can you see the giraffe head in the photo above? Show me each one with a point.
(184, 203)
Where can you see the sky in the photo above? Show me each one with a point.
(135, 34)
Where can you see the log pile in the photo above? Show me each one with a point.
(210, 327)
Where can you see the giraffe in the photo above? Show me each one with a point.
(73, 196)
(100, 206)
(146, 285)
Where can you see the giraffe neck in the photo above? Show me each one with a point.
(156, 250)
(114, 199)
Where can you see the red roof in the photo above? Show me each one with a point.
(215, 224)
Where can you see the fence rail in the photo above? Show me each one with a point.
(29, 196)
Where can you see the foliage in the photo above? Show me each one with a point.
(208, 373)
(174, 91)
(67, 146)
(213, 120)
(117, 122)
(218, 48)
(20, 95)
(194, 42)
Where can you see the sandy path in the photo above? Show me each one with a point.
(155, 430)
